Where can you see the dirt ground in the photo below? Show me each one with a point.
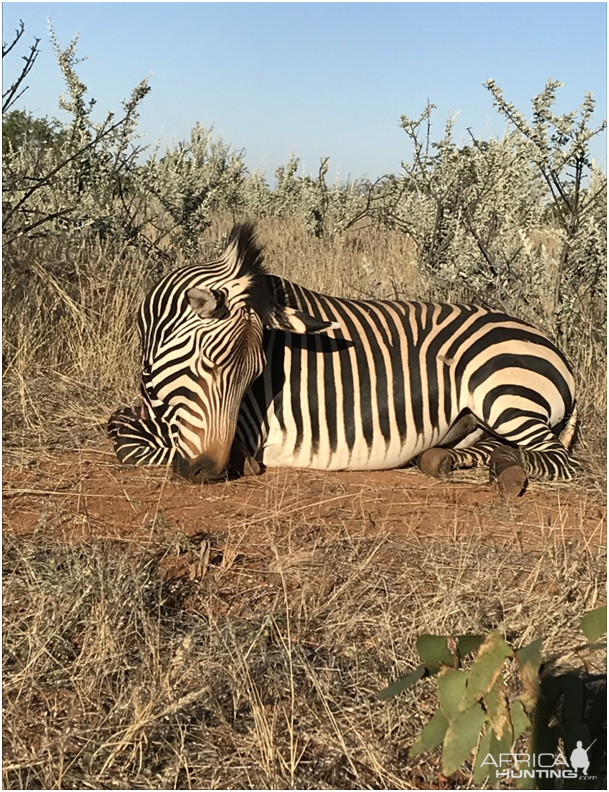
(86, 495)
(248, 530)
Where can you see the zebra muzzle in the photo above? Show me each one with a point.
(201, 470)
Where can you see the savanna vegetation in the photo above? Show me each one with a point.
(183, 655)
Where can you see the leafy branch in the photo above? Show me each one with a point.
(475, 714)
(560, 148)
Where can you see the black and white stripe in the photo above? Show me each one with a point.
(300, 379)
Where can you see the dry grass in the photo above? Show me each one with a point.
(248, 657)
(241, 660)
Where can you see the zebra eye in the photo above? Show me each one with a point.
(222, 311)
(206, 365)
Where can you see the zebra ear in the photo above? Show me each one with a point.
(282, 317)
(207, 303)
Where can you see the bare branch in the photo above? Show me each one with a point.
(6, 48)
(10, 96)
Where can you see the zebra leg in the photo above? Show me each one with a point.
(439, 462)
(241, 463)
(534, 453)
(506, 467)
(477, 455)
(510, 466)
(535, 447)
(140, 439)
(547, 460)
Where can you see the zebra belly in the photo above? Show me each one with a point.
(332, 404)
(316, 440)
(279, 451)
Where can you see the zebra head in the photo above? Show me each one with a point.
(201, 329)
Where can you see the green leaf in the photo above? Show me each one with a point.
(530, 654)
(467, 644)
(401, 684)
(529, 660)
(597, 645)
(434, 649)
(503, 744)
(482, 771)
(432, 734)
(520, 720)
(452, 683)
(486, 667)
(498, 746)
(497, 709)
(461, 738)
(594, 623)
(543, 736)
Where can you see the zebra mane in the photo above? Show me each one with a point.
(246, 250)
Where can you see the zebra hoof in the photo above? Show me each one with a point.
(512, 482)
(435, 462)
(507, 471)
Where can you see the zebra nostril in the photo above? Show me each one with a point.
(204, 469)
(198, 471)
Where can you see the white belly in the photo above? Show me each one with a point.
(280, 451)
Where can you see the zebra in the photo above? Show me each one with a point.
(243, 370)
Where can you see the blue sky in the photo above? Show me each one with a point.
(317, 79)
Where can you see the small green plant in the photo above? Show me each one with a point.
(475, 715)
